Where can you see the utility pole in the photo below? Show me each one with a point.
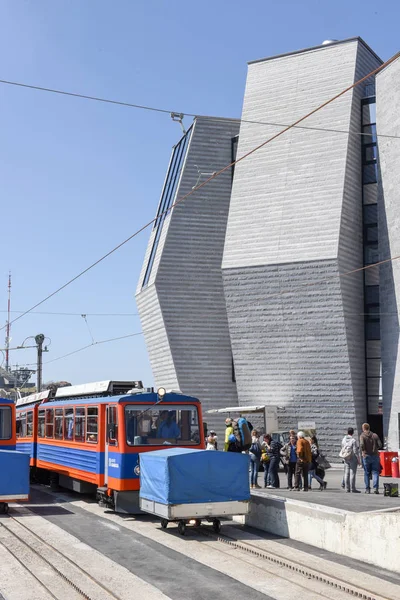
(7, 344)
(39, 339)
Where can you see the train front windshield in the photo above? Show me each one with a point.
(5, 423)
(158, 426)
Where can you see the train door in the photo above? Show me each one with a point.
(111, 436)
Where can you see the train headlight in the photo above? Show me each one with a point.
(161, 392)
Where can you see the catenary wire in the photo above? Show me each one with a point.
(213, 176)
(188, 114)
(37, 312)
(122, 337)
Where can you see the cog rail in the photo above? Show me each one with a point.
(297, 567)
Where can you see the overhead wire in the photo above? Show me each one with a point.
(187, 114)
(37, 312)
(213, 176)
(122, 337)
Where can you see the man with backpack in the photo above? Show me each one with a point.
(370, 444)
(351, 457)
(255, 457)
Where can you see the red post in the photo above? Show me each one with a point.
(395, 468)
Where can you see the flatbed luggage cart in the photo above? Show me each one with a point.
(14, 478)
(188, 486)
(194, 514)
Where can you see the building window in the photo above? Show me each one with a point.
(371, 233)
(234, 147)
(371, 253)
(370, 154)
(168, 196)
(369, 133)
(5, 423)
(372, 330)
(370, 173)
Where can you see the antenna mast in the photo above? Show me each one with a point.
(7, 345)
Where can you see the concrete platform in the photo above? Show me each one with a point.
(334, 496)
(360, 526)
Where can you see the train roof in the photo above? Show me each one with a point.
(137, 398)
(6, 401)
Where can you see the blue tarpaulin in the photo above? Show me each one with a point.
(14, 474)
(184, 476)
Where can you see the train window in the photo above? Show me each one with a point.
(49, 422)
(112, 425)
(148, 426)
(68, 423)
(92, 424)
(58, 423)
(5, 423)
(29, 423)
(21, 425)
(80, 424)
(41, 424)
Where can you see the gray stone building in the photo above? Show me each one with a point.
(388, 124)
(180, 295)
(247, 292)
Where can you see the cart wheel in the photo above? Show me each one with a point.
(198, 523)
(217, 525)
(182, 527)
(3, 508)
(164, 523)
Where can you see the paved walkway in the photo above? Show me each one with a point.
(335, 496)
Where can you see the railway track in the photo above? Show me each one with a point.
(292, 566)
(38, 557)
(81, 584)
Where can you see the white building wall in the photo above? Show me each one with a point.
(294, 226)
(185, 291)
(388, 122)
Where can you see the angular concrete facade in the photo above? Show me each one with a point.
(388, 123)
(268, 268)
(180, 294)
(295, 227)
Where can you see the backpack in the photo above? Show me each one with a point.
(256, 450)
(242, 433)
(346, 452)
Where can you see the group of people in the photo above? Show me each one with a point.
(302, 459)
(368, 452)
(299, 456)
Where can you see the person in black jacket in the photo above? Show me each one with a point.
(312, 473)
(275, 454)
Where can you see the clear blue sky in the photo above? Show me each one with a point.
(77, 176)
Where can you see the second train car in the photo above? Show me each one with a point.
(89, 437)
(14, 468)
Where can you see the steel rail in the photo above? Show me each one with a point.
(292, 565)
(59, 573)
